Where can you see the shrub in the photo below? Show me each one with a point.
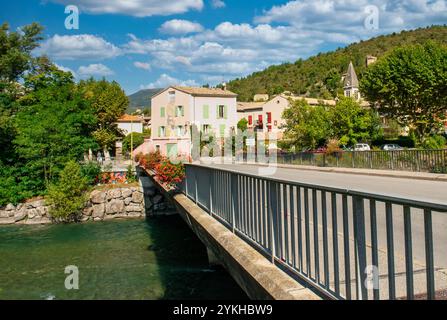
(333, 147)
(67, 197)
(150, 160)
(91, 171)
(434, 142)
(130, 174)
(170, 173)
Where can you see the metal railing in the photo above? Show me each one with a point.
(345, 244)
(407, 160)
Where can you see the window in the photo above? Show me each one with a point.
(157, 148)
(171, 96)
(250, 120)
(206, 128)
(179, 111)
(221, 112)
(180, 131)
(161, 131)
(269, 117)
(206, 112)
(222, 130)
(162, 112)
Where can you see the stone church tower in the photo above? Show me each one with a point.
(351, 83)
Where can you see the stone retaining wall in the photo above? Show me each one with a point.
(108, 204)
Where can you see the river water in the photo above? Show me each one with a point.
(130, 259)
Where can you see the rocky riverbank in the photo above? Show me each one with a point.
(103, 204)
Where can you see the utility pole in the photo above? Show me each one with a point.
(131, 142)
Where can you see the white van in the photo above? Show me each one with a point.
(362, 147)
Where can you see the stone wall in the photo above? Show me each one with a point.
(102, 205)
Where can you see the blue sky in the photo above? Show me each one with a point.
(152, 43)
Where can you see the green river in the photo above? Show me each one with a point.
(130, 259)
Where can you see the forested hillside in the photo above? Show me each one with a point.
(320, 76)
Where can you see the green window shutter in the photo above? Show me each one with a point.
(217, 112)
(225, 112)
(183, 111)
(176, 111)
(159, 132)
(206, 112)
(162, 112)
(222, 130)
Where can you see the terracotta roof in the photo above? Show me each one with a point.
(245, 106)
(206, 92)
(129, 118)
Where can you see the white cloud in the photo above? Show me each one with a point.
(137, 8)
(142, 65)
(165, 81)
(65, 69)
(348, 16)
(93, 70)
(179, 27)
(217, 4)
(83, 46)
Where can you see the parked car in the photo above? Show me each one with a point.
(391, 147)
(362, 147)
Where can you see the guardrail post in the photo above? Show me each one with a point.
(360, 246)
(234, 200)
(273, 209)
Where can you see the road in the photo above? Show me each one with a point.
(422, 190)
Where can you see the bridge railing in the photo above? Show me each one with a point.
(406, 160)
(345, 244)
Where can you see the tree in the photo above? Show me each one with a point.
(138, 140)
(242, 125)
(54, 125)
(352, 124)
(67, 196)
(306, 126)
(410, 85)
(15, 51)
(109, 102)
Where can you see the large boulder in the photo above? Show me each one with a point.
(127, 201)
(133, 208)
(10, 207)
(113, 194)
(4, 214)
(115, 206)
(38, 203)
(137, 197)
(20, 215)
(98, 196)
(32, 213)
(125, 193)
(98, 210)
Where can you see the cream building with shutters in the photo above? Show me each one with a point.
(176, 109)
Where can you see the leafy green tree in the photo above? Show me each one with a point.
(352, 124)
(138, 140)
(54, 125)
(15, 51)
(67, 197)
(410, 85)
(306, 126)
(109, 102)
(242, 125)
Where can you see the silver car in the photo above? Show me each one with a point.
(391, 147)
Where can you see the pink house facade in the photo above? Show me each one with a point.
(176, 110)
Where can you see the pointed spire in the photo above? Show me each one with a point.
(351, 79)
